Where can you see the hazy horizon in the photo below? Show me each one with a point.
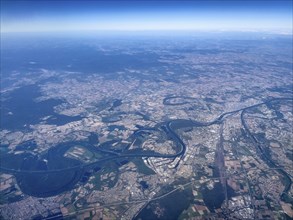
(56, 16)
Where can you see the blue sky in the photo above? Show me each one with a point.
(74, 15)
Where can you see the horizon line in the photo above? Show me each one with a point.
(248, 30)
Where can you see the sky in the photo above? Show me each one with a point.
(135, 15)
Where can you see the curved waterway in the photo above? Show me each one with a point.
(52, 173)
